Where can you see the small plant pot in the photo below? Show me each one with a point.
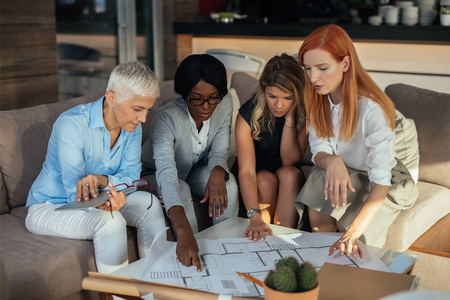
(271, 294)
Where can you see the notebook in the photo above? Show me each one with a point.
(93, 202)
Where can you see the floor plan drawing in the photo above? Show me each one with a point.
(222, 258)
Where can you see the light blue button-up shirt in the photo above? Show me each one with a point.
(80, 145)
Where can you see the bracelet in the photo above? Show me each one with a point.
(323, 160)
(289, 126)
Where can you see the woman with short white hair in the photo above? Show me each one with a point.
(93, 147)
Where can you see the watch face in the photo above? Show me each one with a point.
(251, 212)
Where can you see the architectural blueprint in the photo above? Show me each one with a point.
(221, 259)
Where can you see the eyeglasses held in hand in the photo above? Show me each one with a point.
(127, 189)
(201, 101)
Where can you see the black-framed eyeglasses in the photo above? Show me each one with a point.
(123, 187)
(200, 101)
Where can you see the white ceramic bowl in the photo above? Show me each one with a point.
(375, 20)
(425, 6)
(409, 23)
(410, 9)
(410, 20)
(410, 16)
(405, 3)
(391, 20)
(391, 23)
(383, 8)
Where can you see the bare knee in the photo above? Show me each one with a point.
(267, 182)
(321, 222)
(289, 176)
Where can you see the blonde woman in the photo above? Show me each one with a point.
(350, 124)
(271, 140)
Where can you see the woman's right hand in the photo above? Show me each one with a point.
(337, 181)
(289, 117)
(347, 245)
(90, 184)
(187, 250)
(257, 228)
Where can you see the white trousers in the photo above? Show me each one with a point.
(108, 234)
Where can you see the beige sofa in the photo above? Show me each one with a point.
(42, 267)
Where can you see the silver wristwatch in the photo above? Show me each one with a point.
(252, 211)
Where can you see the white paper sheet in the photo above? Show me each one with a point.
(222, 258)
(325, 240)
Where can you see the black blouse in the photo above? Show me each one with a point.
(267, 148)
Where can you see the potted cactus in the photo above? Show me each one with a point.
(291, 280)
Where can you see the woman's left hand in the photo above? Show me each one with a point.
(216, 192)
(347, 244)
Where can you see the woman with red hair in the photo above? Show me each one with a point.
(351, 122)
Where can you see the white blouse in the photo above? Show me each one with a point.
(371, 148)
(199, 139)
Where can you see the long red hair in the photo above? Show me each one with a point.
(356, 82)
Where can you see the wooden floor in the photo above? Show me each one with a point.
(436, 240)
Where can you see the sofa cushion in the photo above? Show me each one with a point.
(4, 207)
(245, 86)
(431, 205)
(406, 145)
(28, 272)
(24, 138)
(167, 94)
(232, 148)
(430, 111)
(33, 261)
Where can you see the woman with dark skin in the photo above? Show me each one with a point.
(188, 151)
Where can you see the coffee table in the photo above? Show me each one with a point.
(398, 262)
